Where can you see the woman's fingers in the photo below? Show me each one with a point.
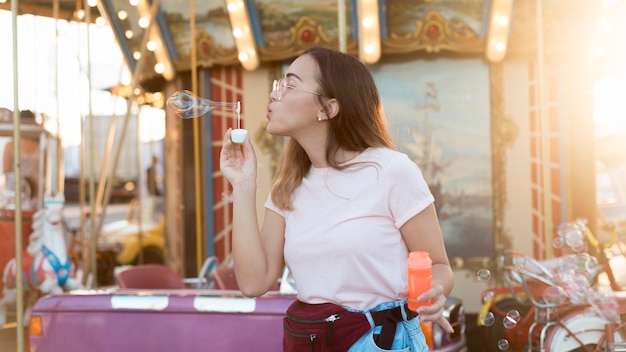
(434, 312)
(247, 143)
(237, 161)
(445, 324)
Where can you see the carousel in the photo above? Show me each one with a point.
(511, 68)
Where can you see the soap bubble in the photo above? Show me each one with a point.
(554, 295)
(503, 344)
(488, 320)
(511, 319)
(488, 296)
(558, 243)
(188, 105)
(483, 275)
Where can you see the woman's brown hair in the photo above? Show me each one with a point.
(360, 123)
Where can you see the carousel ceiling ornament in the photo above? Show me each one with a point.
(433, 34)
(301, 36)
(253, 32)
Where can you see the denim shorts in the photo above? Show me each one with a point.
(409, 335)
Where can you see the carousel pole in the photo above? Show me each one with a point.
(59, 186)
(341, 14)
(196, 134)
(545, 130)
(92, 155)
(19, 284)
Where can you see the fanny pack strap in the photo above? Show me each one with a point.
(389, 319)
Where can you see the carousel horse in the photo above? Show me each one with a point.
(46, 266)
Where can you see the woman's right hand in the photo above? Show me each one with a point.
(237, 163)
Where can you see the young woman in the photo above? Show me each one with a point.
(344, 212)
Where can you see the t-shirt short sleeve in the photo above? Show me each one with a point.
(271, 206)
(408, 192)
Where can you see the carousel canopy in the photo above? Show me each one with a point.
(251, 33)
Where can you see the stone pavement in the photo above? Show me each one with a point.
(8, 334)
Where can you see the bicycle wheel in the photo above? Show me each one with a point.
(588, 329)
(517, 336)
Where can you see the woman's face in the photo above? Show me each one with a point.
(299, 106)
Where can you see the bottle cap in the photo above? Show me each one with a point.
(419, 259)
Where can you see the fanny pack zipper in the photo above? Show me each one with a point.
(328, 320)
(311, 336)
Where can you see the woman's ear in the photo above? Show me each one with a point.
(331, 109)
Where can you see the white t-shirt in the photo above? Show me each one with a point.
(342, 240)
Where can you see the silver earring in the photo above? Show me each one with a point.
(319, 117)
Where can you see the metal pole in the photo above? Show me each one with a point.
(17, 172)
(341, 12)
(139, 188)
(545, 133)
(92, 155)
(58, 166)
(196, 136)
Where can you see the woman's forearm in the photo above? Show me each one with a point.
(442, 275)
(248, 252)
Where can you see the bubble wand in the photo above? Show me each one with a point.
(188, 105)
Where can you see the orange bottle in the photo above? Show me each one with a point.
(419, 267)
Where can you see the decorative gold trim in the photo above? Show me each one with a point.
(305, 34)
(433, 34)
(208, 53)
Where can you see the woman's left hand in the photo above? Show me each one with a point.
(434, 311)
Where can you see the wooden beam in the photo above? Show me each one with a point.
(47, 11)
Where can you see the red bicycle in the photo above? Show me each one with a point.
(551, 305)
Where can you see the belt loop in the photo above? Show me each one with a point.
(403, 310)
(368, 315)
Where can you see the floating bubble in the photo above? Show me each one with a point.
(554, 295)
(188, 105)
(503, 344)
(483, 275)
(568, 264)
(488, 296)
(511, 319)
(488, 320)
(566, 228)
(558, 243)
(592, 265)
(577, 295)
(574, 237)
(610, 309)
(578, 246)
